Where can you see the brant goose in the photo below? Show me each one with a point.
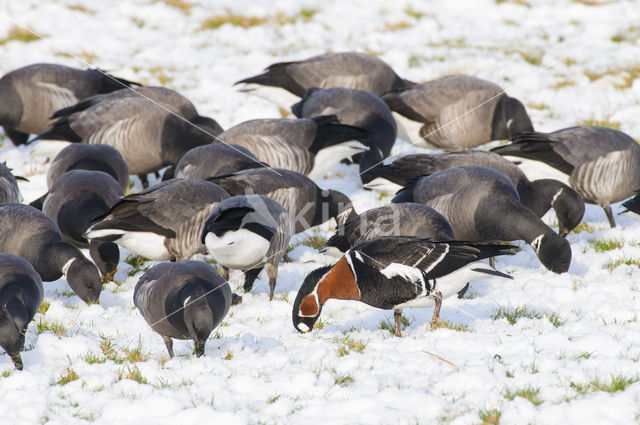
(358, 108)
(482, 205)
(286, 82)
(248, 233)
(31, 94)
(76, 200)
(393, 273)
(306, 203)
(456, 112)
(28, 233)
(208, 161)
(163, 222)
(21, 294)
(603, 164)
(537, 195)
(9, 191)
(184, 300)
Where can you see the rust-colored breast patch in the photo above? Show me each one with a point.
(309, 306)
(338, 284)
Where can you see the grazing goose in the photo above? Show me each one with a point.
(74, 201)
(184, 300)
(603, 164)
(358, 108)
(482, 205)
(537, 195)
(395, 273)
(249, 233)
(306, 203)
(21, 294)
(292, 144)
(28, 233)
(31, 94)
(9, 191)
(456, 112)
(163, 222)
(286, 82)
(208, 161)
(404, 219)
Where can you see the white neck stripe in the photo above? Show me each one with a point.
(66, 266)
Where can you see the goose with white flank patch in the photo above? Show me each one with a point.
(358, 108)
(537, 195)
(163, 222)
(395, 273)
(31, 94)
(248, 233)
(293, 144)
(482, 205)
(9, 191)
(286, 82)
(212, 160)
(602, 164)
(186, 300)
(21, 294)
(456, 112)
(75, 201)
(30, 234)
(306, 203)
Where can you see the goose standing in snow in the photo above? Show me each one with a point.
(21, 294)
(306, 203)
(9, 191)
(293, 144)
(31, 94)
(248, 233)
(395, 273)
(456, 112)
(603, 165)
(74, 201)
(286, 82)
(185, 300)
(163, 222)
(30, 234)
(537, 195)
(360, 109)
(482, 205)
(208, 161)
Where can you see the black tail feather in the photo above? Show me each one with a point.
(536, 146)
(276, 76)
(60, 130)
(330, 133)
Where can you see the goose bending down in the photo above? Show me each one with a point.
(293, 144)
(602, 164)
(358, 108)
(288, 81)
(208, 161)
(306, 203)
(9, 191)
(395, 273)
(249, 232)
(21, 294)
(482, 205)
(457, 112)
(31, 94)
(76, 200)
(163, 222)
(537, 195)
(185, 300)
(30, 234)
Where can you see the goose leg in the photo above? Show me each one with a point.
(17, 361)
(225, 272)
(169, 343)
(609, 213)
(397, 316)
(272, 272)
(492, 262)
(199, 348)
(436, 310)
(249, 277)
(463, 291)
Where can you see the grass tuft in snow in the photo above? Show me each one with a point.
(344, 380)
(450, 325)
(617, 383)
(17, 33)
(529, 393)
(132, 373)
(274, 398)
(184, 6)
(603, 245)
(315, 241)
(490, 417)
(615, 262)
(126, 354)
(228, 356)
(69, 375)
(234, 19)
(555, 320)
(92, 358)
(56, 327)
(584, 227)
(389, 324)
(347, 344)
(137, 264)
(512, 316)
(44, 307)
(6, 373)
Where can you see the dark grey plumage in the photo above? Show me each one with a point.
(536, 195)
(9, 191)
(21, 294)
(185, 300)
(163, 222)
(358, 108)
(215, 159)
(75, 201)
(31, 94)
(457, 112)
(603, 164)
(482, 205)
(306, 203)
(403, 219)
(249, 232)
(30, 234)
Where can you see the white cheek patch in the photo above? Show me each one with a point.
(66, 266)
(535, 244)
(555, 197)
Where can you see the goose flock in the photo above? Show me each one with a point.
(238, 195)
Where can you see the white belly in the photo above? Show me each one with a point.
(147, 244)
(328, 157)
(237, 249)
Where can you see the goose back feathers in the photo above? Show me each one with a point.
(212, 160)
(9, 191)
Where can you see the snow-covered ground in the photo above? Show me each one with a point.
(572, 355)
